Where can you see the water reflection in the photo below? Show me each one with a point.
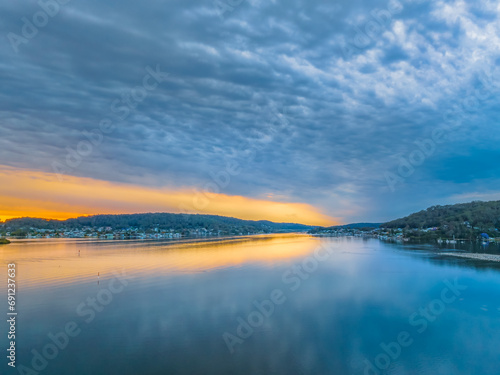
(182, 297)
(49, 262)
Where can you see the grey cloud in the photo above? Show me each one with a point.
(271, 77)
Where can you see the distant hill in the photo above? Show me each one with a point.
(149, 221)
(359, 225)
(364, 226)
(463, 220)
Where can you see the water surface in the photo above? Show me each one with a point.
(171, 306)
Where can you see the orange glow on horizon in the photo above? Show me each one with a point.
(43, 195)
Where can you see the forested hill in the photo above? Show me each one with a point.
(149, 221)
(484, 216)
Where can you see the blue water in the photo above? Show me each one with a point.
(164, 307)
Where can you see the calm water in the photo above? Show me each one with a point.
(177, 308)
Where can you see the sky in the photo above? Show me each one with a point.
(318, 112)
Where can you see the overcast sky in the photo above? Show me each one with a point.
(318, 102)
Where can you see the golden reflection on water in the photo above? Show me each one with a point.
(61, 261)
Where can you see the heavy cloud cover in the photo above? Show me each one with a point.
(317, 101)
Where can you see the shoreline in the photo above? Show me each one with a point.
(476, 256)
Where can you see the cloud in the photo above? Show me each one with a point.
(270, 80)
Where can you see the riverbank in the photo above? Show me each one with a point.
(4, 241)
(486, 257)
